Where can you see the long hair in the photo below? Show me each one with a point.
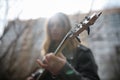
(64, 21)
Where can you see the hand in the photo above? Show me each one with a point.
(30, 78)
(52, 63)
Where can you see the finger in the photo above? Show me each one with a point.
(30, 78)
(50, 56)
(52, 59)
(61, 56)
(41, 63)
(45, 61)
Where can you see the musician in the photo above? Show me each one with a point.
(74, 62)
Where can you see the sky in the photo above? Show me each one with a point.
(26, 9)
(33, 9)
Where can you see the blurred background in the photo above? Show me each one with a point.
(22, 33)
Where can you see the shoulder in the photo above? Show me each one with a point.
(82, 48)
(83, 51)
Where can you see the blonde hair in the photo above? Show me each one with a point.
(64, 20)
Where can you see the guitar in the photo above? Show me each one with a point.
(73, 33)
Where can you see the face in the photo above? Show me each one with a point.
(56, 30)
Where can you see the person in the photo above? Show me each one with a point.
(74, 62)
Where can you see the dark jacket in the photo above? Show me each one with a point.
(81, 67)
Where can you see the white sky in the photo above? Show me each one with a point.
(27, 9)
(32, 9)
(44, 8)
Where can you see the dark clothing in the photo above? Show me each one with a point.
(81, 66)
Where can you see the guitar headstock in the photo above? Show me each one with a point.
(84, 25)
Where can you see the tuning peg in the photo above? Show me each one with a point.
(99, 14)
(88, 30)
(81, 22)
(78, 39)
(88, 18)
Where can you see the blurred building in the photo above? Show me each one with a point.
(105, 43)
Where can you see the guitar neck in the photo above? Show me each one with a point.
(62, 44)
